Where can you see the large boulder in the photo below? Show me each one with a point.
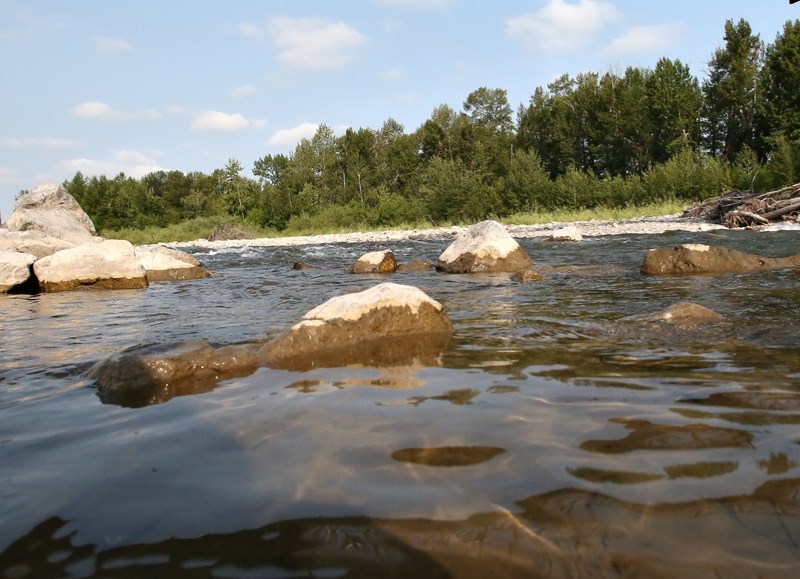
(375, 262)
(696, 258)
(146, 375)
(111, 264)
(165, 264)
(485, 247)
(49, 209)
(389, 324)
(33, 242)
(15, 269)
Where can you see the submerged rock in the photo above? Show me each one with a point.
(415, 266)
(698, 259)
(375, 262)
(527, 276)
(384, 325)
(485, 247)
(150, 375)
(15, 269)
(50, 210)
(111, 264)
(165, 264)
(680, 314)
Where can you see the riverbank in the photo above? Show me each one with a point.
(643, 225)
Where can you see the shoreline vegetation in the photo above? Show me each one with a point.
(613, 145)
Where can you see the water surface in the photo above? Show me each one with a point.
(552, 440)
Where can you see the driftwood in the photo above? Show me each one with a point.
(744, 209)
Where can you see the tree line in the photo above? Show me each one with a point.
(613, 139)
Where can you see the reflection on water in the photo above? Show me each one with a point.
(643, 449)
(566, 533)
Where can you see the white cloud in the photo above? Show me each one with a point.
(313, 43)
(132, 163)
(243, 91)
(647, 38)
(103, 111)
(107, 44)
(290, 137)
(560, 26)
(43, 143)
(219, 122)
(8, 175)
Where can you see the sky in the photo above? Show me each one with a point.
(107, 86)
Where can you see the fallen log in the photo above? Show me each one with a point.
(735, 208)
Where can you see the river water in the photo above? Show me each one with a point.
(554, 439)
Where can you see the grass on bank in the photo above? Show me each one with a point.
(203, 227)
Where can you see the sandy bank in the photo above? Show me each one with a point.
(644, 225)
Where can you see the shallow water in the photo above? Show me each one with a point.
(552, 440)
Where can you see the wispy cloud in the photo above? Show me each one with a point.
(106, 44)
(220, 122)
(391, 74)
(290, 137)
(103, 111)
(314, 43)
(132, 163)
(647, 38)
(561, 26)
(42, 143)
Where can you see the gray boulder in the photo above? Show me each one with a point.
(375, 262)
(49, 209)
(699, 259)
(111, 264)
(486, 247)
(165, 264)
(15, 269)
(389, 324)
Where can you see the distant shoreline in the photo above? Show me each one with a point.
(643, 226)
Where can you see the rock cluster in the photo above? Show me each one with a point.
(706, 259)
(49, 244)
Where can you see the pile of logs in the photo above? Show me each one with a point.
(743, 209)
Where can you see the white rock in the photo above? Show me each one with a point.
(568, 233)
(15, 269)
(485, 247)
(111, 264)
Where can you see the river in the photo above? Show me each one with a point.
(547, 442)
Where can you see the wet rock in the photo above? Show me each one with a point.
(298, 265)
(150, 375)
(165, 264)
(680, 314)
(568, 233)
(389, 324)
(486, 247)
(15, 269)
(698, 259)
(34, 242)
(111, 264)
(50, 210)
(527, 276)
(375, 262)
(415, 266)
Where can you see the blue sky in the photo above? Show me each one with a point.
(104, 86)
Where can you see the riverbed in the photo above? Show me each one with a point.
(550, 439)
